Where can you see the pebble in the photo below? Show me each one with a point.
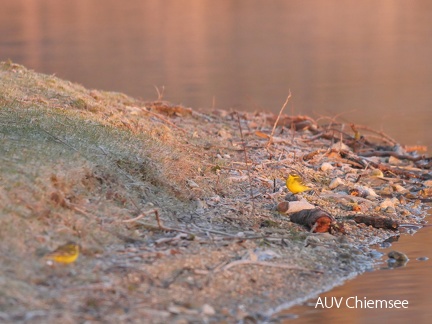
(283, 207)
(326, 166)
(366, 191)
(392, 263)
(376, 173)
(399, 188)
(335, 183)
(266, 255)
(424, 258)
(386, 191)
(192, 184)
(208, 310)
(394, 161)
(340, 146)
(395, 201)
(398, 256)
(216, 198)
(387, 203)
(375, 254)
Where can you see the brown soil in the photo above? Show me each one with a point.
(175, 210)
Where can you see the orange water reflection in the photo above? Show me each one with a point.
(366, 60)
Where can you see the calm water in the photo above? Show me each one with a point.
(366, 61)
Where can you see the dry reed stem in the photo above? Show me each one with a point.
(160, 93)
(159, 222)
(154, 210)
(135, 219)
(57, 139)
(266, 264)
(277, 119)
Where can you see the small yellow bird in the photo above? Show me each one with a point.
(295, 184)
(65, 254)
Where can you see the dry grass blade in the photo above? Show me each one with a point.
(266, 264)
(278, 117)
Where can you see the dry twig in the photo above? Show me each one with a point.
(383, 136)
(159, 222)
(160, 93)
(266, 264)
(277, 119)
(57, 139)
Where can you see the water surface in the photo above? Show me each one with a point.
(365, 61)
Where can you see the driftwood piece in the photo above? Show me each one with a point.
(293, 206)
(394, 154)
(296, 122)
(401, 172)
(317, 220)
(170, 110)
(377, 221)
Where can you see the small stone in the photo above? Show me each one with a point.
(208, 310)
(340, 146)
(386, 191)
(366, 191)
(395, 201)
(376, 173)
(335, 183)
(215, 199)
(283, 207)
(398, 256)
(192, 184)
(394, 161)
(326, 166)
(224, 134)
(400, 189)
(375, 254)
(387, 203)
(266, 255)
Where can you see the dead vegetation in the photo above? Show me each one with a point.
(175, 210)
